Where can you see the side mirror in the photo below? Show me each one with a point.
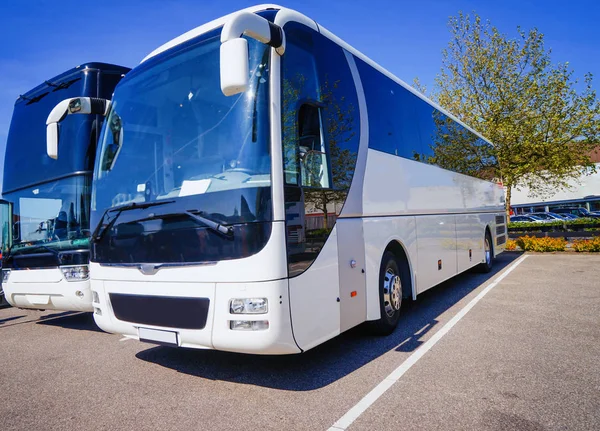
(75, 105)
(52, 140)
(234, 66)
(234, 49)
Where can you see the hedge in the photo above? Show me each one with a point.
(575, 223)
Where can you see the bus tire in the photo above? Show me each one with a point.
(488, 253)
(392, 277)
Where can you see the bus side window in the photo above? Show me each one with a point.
(313, 154)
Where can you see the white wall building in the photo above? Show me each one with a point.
(582, 192)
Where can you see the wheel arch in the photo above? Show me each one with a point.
(399, 250)
(488, 230)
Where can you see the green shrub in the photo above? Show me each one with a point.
(536, 227)
(317, 233)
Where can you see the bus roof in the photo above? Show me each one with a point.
(263, 7)
(107, 67)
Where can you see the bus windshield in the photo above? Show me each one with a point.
(52, 215)
(171, 133)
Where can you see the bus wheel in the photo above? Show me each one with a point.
(391, 277)
(486, 265)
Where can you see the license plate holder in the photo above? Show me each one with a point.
(159, 336)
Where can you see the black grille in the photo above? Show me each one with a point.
(500, 219)
(166, 311)
(500, 230)
(500, 240)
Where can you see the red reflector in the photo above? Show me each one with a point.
(353, 293)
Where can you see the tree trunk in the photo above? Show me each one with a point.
(325, 217)
(507, 204)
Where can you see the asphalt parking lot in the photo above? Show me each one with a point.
(524, 357)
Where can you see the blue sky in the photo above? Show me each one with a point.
(40, 39)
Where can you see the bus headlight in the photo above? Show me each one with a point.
(248, 306)
(75, 272)
(249, 325)
(5, 275)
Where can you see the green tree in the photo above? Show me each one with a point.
(542, 122)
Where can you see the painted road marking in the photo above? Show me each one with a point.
(351, 415)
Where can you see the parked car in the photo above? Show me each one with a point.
(549, 216)
(570, 216)
(578, 211)
(526, 218)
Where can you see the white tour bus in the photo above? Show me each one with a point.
(218, 145)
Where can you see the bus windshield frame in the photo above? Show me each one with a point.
(171, 135)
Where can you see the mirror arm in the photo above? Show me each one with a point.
(74, 105)
(256, 27)
(234, 48)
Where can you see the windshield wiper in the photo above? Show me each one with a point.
(102, 228)
(210, 223)
(200, 217)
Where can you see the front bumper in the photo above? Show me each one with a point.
(46, 289)
(215, 332)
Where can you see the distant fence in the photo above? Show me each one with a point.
(316, 221)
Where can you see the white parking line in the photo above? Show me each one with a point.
(351, 415)
(126, 338)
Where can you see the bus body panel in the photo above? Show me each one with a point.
(416, 188)
(351, 257)
(436, 249)
(469, 240)
(451, 213)
(48, 290)
(314, 298)
(379, 233)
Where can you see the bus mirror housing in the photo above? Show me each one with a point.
(52, 140)
(234, 69)
(234, 66)
(74, 105)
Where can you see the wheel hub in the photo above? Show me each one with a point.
(392, 292)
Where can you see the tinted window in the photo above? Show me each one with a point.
(28, 131)
(320, 131)
(403, 124)
(26, 161)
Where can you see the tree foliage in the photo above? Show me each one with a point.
(543, 122)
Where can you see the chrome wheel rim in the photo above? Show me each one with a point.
(392, 292)
(488, 251)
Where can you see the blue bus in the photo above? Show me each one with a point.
(45, 212)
